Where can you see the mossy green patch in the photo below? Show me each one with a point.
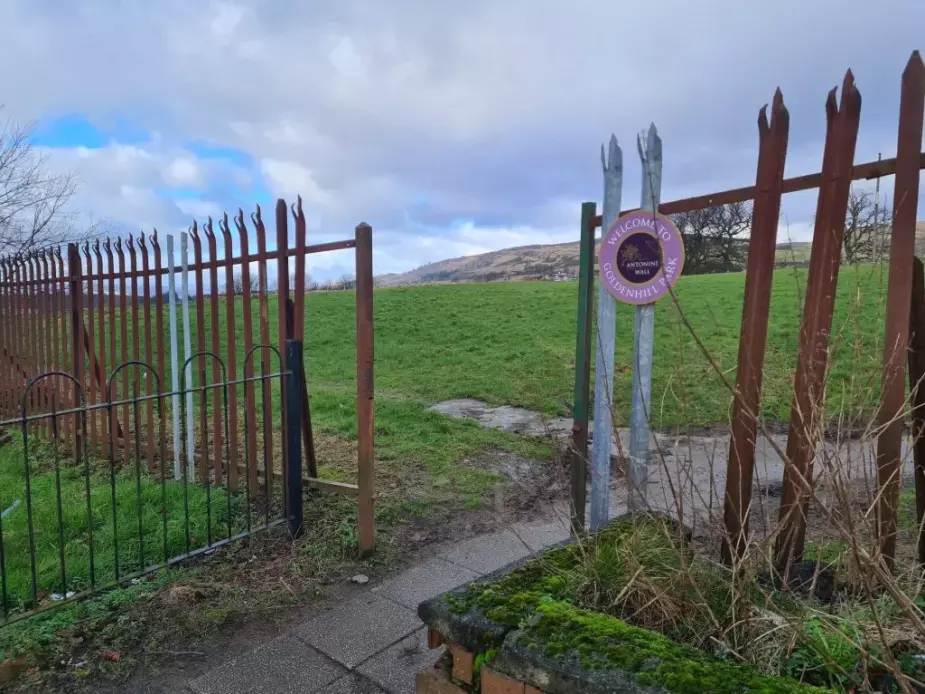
(603, 642)
(575, 598)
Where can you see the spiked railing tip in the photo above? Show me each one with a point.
(915, 63)
(831, 105)
(778, 102)
(763, 126)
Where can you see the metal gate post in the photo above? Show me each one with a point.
(293, 448)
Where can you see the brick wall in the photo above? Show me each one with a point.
(455, 674)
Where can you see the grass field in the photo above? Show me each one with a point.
(514, 343)
(506, 343)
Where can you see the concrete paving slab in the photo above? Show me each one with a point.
(283, 666)
(539, 536)
(352, 684)
(357, 630)
(395, 668)
(487, 553)
(428, 580)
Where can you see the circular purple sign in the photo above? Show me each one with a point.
(642, 255)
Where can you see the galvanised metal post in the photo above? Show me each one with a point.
(650, 154)
(606, 341)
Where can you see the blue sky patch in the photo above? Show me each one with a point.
(76, 130)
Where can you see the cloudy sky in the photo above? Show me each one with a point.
(452, 127)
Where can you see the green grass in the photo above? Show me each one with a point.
(137, 500)
(506, 343)
(514, 343)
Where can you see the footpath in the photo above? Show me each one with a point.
(374, 643)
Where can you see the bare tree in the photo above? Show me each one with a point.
(310, 284)
(347, 281)
(715, 238)
(867, 228)
(32, 199)
(237, 287)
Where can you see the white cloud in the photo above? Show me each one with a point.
(183, 171)
(492, 111)
(290, 178)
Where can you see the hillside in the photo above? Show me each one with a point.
(520, 263)
(555, 261)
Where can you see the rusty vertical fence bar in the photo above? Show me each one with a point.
(39, 333)
(111, 417)
(127, 430)
(16, 374)
(159, 331)
(772, 155)
(149, 354)
(30, 335)
(899, 288)
(18, 329)
(11, 298)
(250, 419)
(24, 358)
(56, 336)
(75, 274)
(917, 393)
(138, 373)
(298, 333)
(38, 344)
(282, 295)
(48, 310)
(216, 372)
(100, 329)
(231, 349)
(91, 351)
(5, 364)
(19, 373)
(9, 332)
(807, 412)
(15, 377)
(4, 332)
(200, 320)
(7, 329)
(263, 302)
(365, 415)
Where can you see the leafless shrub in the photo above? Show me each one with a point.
(33, 200)
(237, 286)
